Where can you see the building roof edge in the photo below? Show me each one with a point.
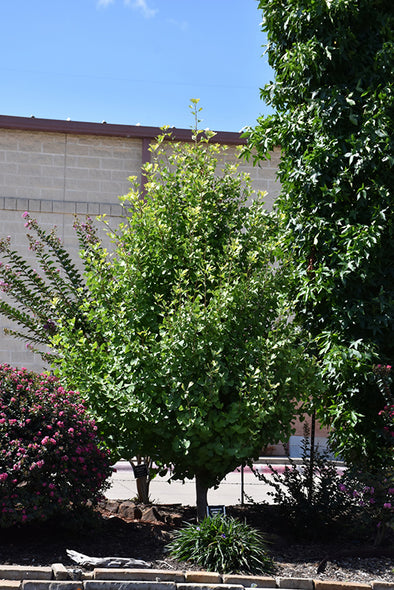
(108, 129)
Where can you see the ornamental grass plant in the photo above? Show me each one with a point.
(222, 544)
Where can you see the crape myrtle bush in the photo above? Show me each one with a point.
(373, 492)
(311, 494)
(50, 457)
(373, 488)
(318, 498)
(384, 380)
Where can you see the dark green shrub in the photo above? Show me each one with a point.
(222, 544)
(310, 494)
(333, 118)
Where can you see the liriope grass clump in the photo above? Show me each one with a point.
(222, 544)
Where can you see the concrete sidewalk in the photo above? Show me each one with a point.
(123, 487)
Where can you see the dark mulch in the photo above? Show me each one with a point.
(106, 532)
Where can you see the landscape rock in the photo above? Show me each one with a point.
(174, 519)
(111, 505)
(151, 515)
(86, 561)
(128, 509)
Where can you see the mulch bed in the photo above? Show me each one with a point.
(123, 529)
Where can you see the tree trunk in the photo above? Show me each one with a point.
(143, 489)
(312, 458)
(201, 499)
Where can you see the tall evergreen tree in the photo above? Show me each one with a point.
(333, 95)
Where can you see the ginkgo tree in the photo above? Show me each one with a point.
(179, 340)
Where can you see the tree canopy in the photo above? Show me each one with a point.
(333, 95)
(180, 340)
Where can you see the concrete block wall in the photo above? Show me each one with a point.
(63, 173)
(263, 175)
(56, 169)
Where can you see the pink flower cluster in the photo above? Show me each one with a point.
(86, 232)
(50, 454)
(376, 500)
(388, 417)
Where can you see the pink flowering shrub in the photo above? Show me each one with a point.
(372, 489)
(374, 494)
(50, 457)
(384, 379)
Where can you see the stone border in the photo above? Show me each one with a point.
(58, 577)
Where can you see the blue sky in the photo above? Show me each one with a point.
(133, 61)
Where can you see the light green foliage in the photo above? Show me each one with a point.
(180, 340)
(334, 101)
(224, 545)
(196, 365)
